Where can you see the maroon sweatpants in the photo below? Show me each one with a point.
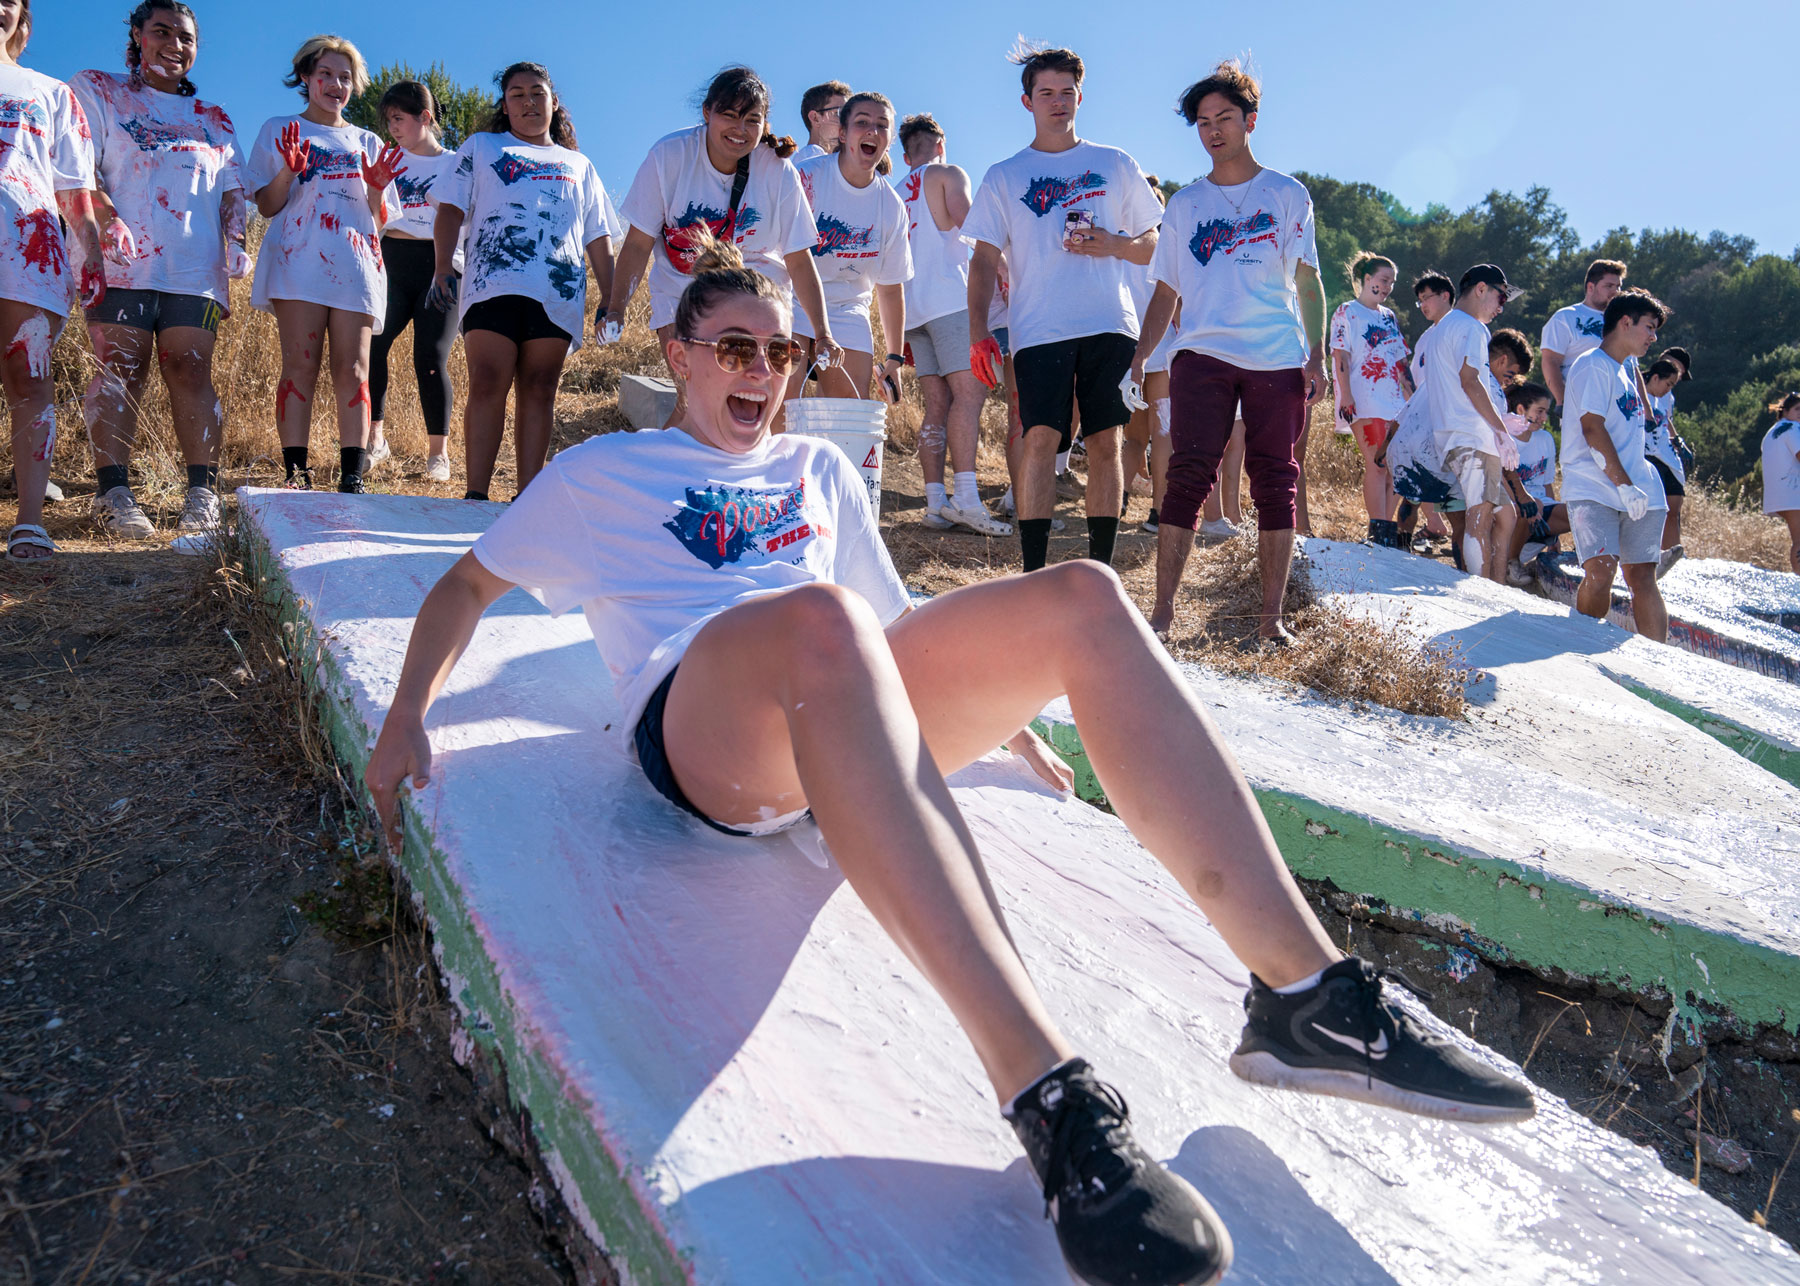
(1204, 396)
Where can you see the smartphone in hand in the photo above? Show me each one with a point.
(1076, 221)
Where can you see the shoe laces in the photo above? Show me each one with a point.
(1371, 1007)
(1086, 1141)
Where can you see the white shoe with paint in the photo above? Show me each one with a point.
(978, 520)
(379, 452)
(117, 511)
(201, 512)
(1214, 529)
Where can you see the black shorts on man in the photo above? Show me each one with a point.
(1055, 378)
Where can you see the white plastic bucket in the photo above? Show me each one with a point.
(857, 425)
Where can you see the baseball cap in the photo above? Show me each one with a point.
(1490, 274)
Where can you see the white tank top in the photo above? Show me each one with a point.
(940, 280)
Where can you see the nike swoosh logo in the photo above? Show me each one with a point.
(1378, 1050)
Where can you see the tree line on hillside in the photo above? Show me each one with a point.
(1736, 311)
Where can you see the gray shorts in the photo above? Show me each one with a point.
(941, 345)
(1601, 531)
(1479, 480)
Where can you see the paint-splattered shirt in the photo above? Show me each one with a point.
(324, 246)
(1232, 254)
(1781, 467)
(419, 191)
(164, 162)
(862, 244)
(654, 533)
(1023, 208)
(1375, 351)
(531, 211)
(1573, 331)
(678, 187)
(45, 148)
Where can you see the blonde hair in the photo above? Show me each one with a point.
(306, 59)
(15, 44)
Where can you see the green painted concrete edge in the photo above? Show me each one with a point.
(1749, 743)
(1511, 914)
(632, 1239)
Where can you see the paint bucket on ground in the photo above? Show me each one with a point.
(857, 425)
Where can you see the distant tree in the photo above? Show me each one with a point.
(461, 110)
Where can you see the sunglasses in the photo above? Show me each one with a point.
(737, 353)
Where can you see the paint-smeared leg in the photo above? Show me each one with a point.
(1792, 518)
(492, 358)
(185, 354)
(1593, 597)
(350, 334)
(1167, 772)
(795, 699)
(113, 396)
(27, 335)
(534, 406)
(302, 328)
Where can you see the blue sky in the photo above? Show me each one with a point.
(1434, 103)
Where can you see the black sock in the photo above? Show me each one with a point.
(1102, 532)
(112, 475)
(204, 475)
(352, 462)
(294, 458)
(475, 495)
(1034, 539)
(1154, 519)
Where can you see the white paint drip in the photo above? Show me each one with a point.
(34, 338)
(46, 421)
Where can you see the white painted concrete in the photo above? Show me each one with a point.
(646, 400)
(790, 1100)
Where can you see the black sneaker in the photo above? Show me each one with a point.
(1153, 522)
(1343, 1037)
(351, 484)
(1120, 1216)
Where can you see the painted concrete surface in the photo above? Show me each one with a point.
(1745, 616)
(740, 1080)
(646, 399)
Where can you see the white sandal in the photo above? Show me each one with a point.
(28, 536)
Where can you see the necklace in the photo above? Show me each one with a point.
(1237, 207)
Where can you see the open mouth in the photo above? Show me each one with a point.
(869, 151)
(746, 408)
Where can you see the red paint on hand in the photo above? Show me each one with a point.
(93, 285)
(986, 362)
(294, 152)
(384, 168)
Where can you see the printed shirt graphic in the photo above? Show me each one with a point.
(1659, 434)
(1375, 350)
(1781, 467)
(939, 284)
(530, 212)
(1458, 340)
(1233, 262)
(419, 190)
(1537, 464)
(1600, 386)
(862, 244)
(164, 162)
(1573, 331)
(654, 533)
(324, 246)
(45, 148)
(677, 187)
(1022, 208)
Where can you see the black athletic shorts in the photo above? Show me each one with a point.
(1672, 486)
(1053, 379)
(515, 316)
(156, 311)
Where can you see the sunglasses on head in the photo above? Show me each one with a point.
(737, 353)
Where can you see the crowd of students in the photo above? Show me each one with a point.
(769, 665)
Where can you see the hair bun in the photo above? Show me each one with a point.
(712, 254)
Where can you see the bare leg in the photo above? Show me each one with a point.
(1378, 486)
(933, 434)
(350, 334)
(186, 356)
(795, 698)
(26, 337)
(1302, 523)
(1649, 614)
(1672, 524)
(302, 329)
(1231, 474)
(1274, 559)
(1104, 485)
(534, 403)
(1135, 448)
(1173, 545)
(1505, 517)
(1792, 518)
(1156, 392)
(492, 359)
(967, 394)
(1035, 490)
(114, 395)
(1594, 595)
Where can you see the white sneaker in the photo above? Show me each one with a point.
(437, 468)
(935, 518)
(1217, 529)
(977, 520)
(380, 451)
(119, 514)
(202, 512)
(1516, 575)
(1668, 558)
(1006, 505)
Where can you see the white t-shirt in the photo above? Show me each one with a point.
(531, 210)
(1600, 386)
(419, 190)
(1414, 456)
(1573, 331)
(1659, 434)
(654, 533)
(1231, 254)
(1375, 351)
(164, 162)
(324, 246)
(1457, 340)
(45, 148)
(862, 244)
(1537, 464)
(1021, 208)
(809, 152)
(1781, 467)
(939, 285)
(677, 187)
